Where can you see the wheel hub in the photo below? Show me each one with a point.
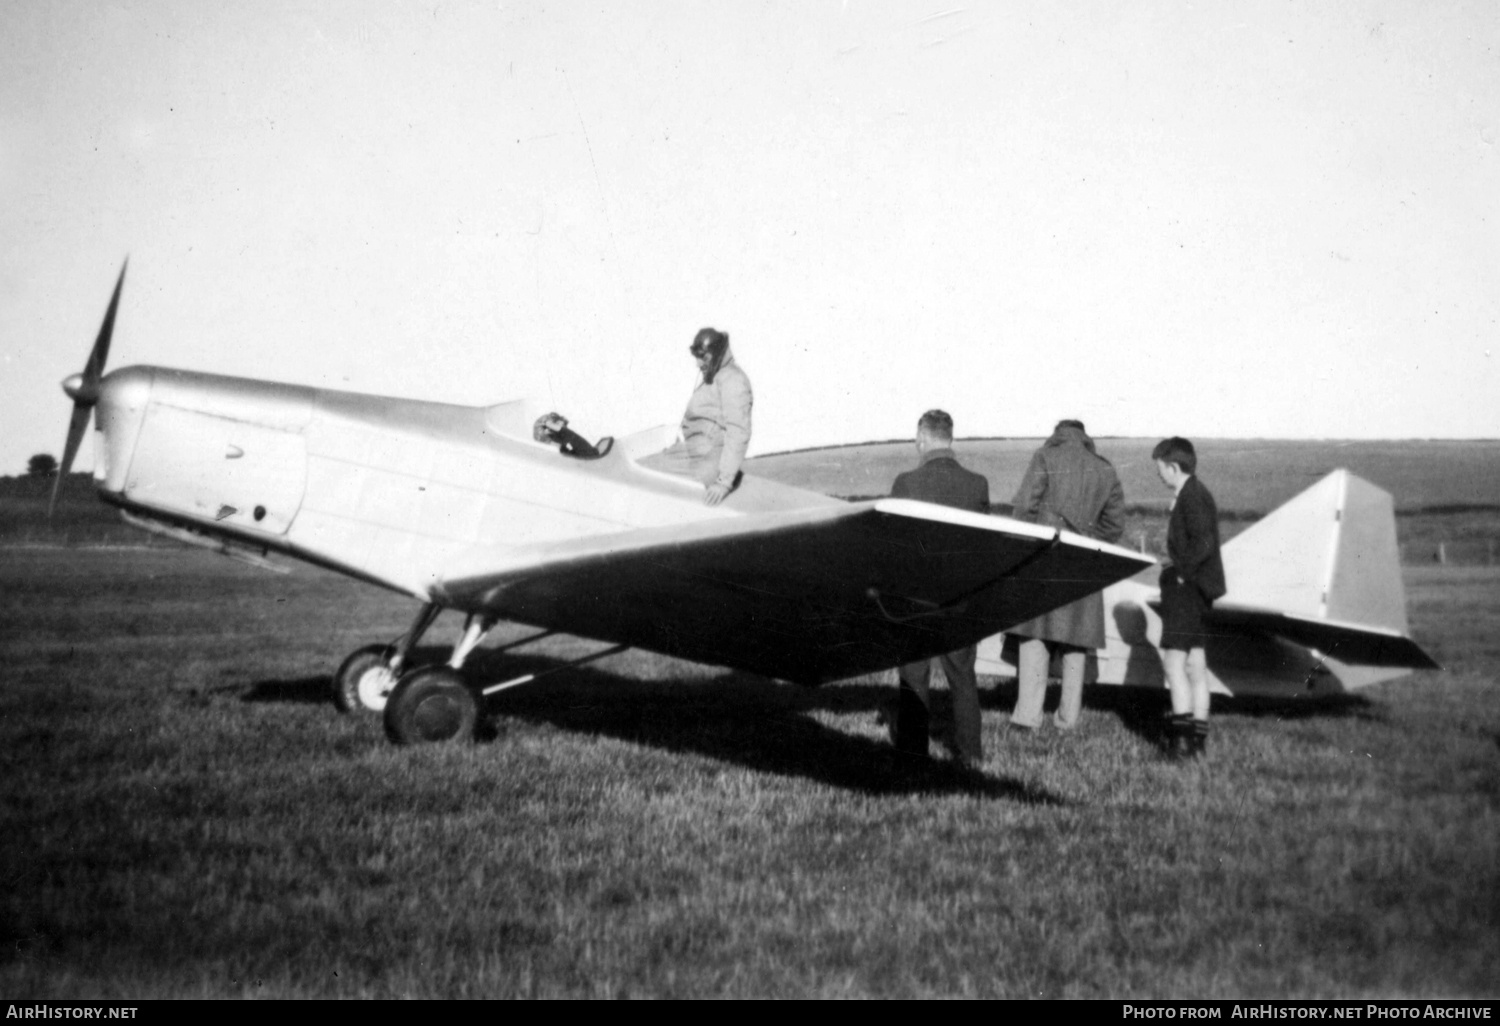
(375, 686)
(438, 717)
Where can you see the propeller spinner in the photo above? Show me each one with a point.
(83, 389)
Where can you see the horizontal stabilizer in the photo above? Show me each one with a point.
(1355, 644)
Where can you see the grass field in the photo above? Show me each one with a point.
(182, 813)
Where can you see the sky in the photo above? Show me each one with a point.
(1208, 219)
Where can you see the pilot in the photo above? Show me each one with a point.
(552, 429)
(716, 424)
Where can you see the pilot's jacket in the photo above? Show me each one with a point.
(1068, 485)
(718, 417)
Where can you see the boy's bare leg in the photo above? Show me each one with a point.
(1197, 677)
(1174, 662)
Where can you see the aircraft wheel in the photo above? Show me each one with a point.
(365, 680)
(430, 704)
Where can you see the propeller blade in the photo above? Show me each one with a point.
(76, 427)
(94, 370)
(84, 388)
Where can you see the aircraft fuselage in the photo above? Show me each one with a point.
(387, 490)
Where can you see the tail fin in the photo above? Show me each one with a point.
(1324, 571)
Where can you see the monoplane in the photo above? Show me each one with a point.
(462, 508)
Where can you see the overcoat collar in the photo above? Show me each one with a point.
(945, 453)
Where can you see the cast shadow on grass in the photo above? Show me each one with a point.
(1298, 707)
(770, 727)
(319, 690)
(740, 718)
(306, 691)
(1145, 711)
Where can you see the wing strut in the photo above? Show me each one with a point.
(527, 678)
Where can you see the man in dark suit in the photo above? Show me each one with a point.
(940, 479)
(1191, 580)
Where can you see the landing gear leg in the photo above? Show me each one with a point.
(408, 641)
(475, 628)
(366, 678)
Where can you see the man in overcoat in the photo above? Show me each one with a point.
(1067, 485)
(940, 479)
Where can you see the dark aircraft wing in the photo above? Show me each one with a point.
(808, 595)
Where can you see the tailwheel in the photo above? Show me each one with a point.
(365, 680)
(430, 705)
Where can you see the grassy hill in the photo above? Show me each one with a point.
(80, 517)
(1447, 493)
(1249, 477)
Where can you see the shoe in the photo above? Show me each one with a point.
(1197, 741)
(958, 757)
(909, 725)
(1178, 743)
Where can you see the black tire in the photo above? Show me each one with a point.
(431, 705)
(353, 691)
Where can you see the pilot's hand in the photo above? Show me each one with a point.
(715, 494)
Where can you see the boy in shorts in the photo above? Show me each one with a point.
(1191, 579)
